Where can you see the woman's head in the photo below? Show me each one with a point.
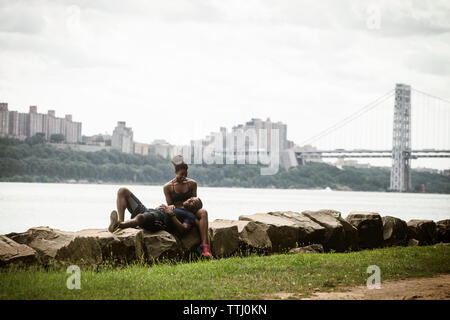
(181, 168)
(181, 171)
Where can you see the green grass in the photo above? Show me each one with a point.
(253, 277)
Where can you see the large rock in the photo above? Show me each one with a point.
(224, 238)
(395, 231)
(151, 246)
(12, 252)
(313, 248)
(97, 245)
(189, 241)
(443, 231)
(253, 236)
(123, 250)
(422, 230)
(339, 235)
(308, 231)
(413, 243)
(46, 241)
(282, 232)
(370, 228)
(86, 247)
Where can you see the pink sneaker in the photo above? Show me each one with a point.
(205, 251)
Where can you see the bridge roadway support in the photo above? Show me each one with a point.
(401, 144)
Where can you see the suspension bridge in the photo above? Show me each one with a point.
(420, 129)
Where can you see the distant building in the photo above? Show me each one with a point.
(256, 144)
(22, 125)
(162, 148)
(97, 139)
(4, 120)
(141, 148)
(122, 138)
(350, 163)
(307, 153)
(428, 170)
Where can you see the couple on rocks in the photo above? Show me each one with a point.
(183, 209)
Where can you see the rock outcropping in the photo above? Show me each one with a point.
(262, 233)
(11, 251)
(395, 231)
(422, 230)
(370, 228)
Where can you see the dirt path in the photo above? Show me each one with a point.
(435, 288)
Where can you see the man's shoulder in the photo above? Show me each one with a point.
(184, 214)
(182, 211)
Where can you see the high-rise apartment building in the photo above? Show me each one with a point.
(4, 120)
(22, 125)
(122, 138)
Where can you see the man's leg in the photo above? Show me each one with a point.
(122, 195)
(127, 200)
(115, 224)
(137, 221)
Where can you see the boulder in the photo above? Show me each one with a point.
(308, 230)
(395, 231)
(351, 235)
(422, 230)
(123, 250)
(443, 231)
(189, 241)
(12, 252)
(224, 238)
(87, 246)
(370, 228)
(413, 243)
(282, 232)
(97, 245)
(46, 241)
(313, 248)
(253, 236)
(339, 234)
(152, 246)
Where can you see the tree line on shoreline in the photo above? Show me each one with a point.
(33, 160)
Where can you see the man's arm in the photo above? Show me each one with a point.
(179, 227)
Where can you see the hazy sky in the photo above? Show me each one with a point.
(180, 69)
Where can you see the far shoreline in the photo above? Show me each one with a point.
(327, 189)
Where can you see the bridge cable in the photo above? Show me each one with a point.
(351, 117)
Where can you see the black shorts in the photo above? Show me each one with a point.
(135, 206)
(155, 220)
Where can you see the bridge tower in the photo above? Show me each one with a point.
(401, 144)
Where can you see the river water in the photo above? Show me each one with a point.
(75, 207)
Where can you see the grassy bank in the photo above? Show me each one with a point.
(254, 277)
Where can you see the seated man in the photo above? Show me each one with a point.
(168, 218)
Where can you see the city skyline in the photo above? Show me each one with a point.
(122, 138)
(180, 71)
(22, 125)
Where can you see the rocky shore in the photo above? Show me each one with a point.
(261, 233)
